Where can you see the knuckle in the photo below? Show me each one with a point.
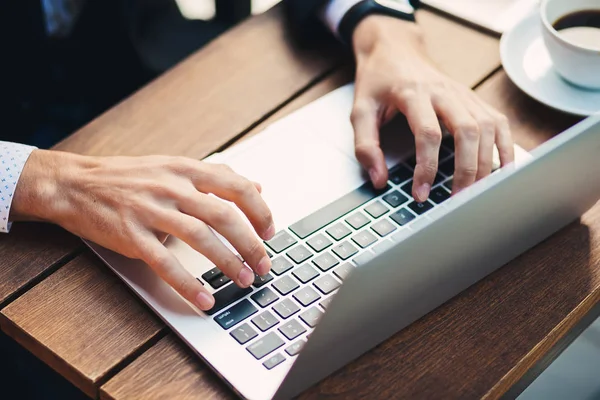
(222, 214)
(468, 130)
(428, 167)
(406, 92)
(242, 186)
(431, 134)
(231, 264)
(360, 109)
(183, 287)
(468, 171)
(255, 249)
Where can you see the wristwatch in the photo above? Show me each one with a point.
(402, 9)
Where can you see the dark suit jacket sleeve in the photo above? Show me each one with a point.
(303, 17)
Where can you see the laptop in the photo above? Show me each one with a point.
(497, 16)
(353, 265)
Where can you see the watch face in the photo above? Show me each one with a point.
(400, 5)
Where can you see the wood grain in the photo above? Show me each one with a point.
(60, 321)
(28, 252)
(182, 377)
(211, 97)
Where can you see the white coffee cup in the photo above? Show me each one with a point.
(576, 63)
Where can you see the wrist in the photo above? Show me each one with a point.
(41, 193)
(383, 30)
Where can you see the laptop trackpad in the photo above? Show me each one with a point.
(298, 172)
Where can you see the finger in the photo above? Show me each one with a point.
(428, 137)
(225, 220)
(258, 186)
(465, 130)
(199, 236)
(366, 141)
(168, 268)
(226, 184)
(504, 139)
(487, 129)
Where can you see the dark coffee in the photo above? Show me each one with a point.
(581, 28)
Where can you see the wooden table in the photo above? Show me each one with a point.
(68, 309)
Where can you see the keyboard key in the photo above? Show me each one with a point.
(311, 316)
(383, 246)
(235, 314)
(281, 241)
(363, 258)
(281, 265)
(306, 296)
(439, 195)
(325, 302)
(295, 348)
(383, 227)
(395, 198)
(265, 345)
(286, 308)
(305, 273)
(407, 187)
(345, 250)
(448, 185)
(219, 282)
(438, 178)
(285, 285)
(226, 296)
(448, 142)
(447, 167)
(265, 321)
(335, 210)
(364, 239)
(261, 280)
(243, 334)
(376, 209)
(327, 284)
(264, 297)
(319, 242)
(338, 231)
(400, 174)
(325, 261)
(402, 217)
(299, 254)
(212, 274)
(292, 329)
(274, 361)
(343, 270)
(420, 208)
(357, 220)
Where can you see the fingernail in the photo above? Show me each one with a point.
(246, 277)
(204, 301)
(270, 232)
(263, 266)
(423, 192)
(373, 175)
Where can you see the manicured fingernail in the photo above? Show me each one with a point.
(264, 266)
(246, 277)
(373, 175)
(423, 192)
(204, 301)
(270, 232)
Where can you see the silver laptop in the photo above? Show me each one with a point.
(495, 15)
(351, 265)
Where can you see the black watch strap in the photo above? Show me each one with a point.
(365, 8)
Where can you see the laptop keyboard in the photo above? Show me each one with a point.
(273, 318)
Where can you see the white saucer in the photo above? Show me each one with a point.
(527, 63)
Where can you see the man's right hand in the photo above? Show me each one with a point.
(131, 204)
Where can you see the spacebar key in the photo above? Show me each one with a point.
(335, 210)
(226, 296)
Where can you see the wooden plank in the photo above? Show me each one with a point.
(211, 97)
(65, 327)
(184, 377)
(28, 252)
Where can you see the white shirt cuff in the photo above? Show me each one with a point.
(13, 157)
(333, 12)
